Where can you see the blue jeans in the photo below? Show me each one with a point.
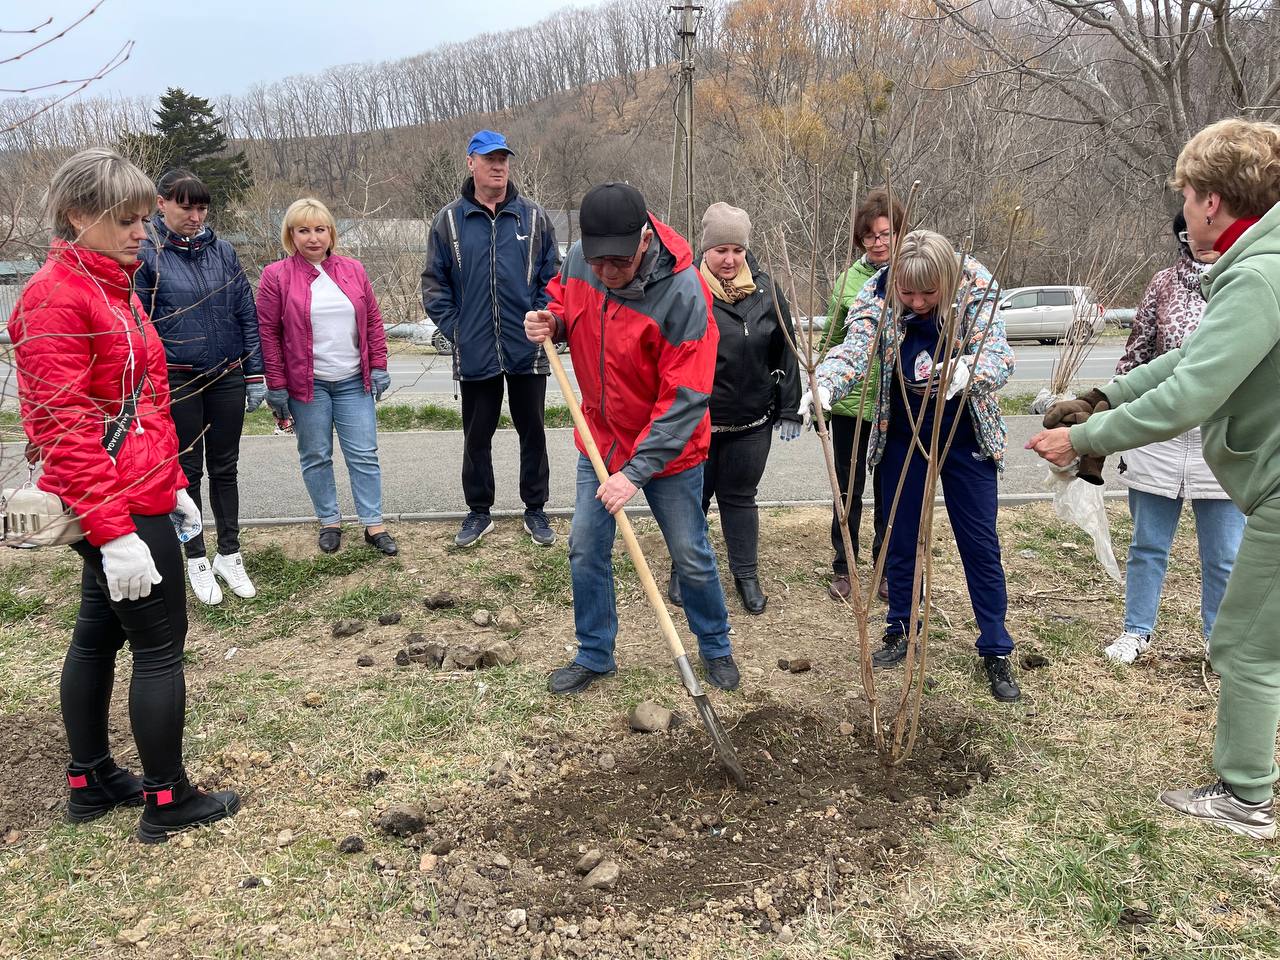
(344, 406)
(1219, 527)
(676, 502)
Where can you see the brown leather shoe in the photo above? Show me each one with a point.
(839, 588)
(882, 591)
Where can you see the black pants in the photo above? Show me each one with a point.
(155, 628)
(481, 406)
(842, 429)
(208, 411)
(735, 464)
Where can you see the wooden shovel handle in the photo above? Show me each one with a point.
(624, 523)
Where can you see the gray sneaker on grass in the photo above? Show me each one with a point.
(475, 526)
(1216, 804)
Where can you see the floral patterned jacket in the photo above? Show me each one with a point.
(846, 364)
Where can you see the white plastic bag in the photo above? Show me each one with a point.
(1081, 503)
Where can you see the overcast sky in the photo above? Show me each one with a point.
(217, 47)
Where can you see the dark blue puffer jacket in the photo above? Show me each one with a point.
(196, 293)
(484, 272)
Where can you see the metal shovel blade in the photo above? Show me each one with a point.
(724, 747)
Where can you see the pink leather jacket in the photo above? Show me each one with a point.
(284, 321)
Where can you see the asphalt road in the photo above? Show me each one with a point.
(416, 378)
(421, 473)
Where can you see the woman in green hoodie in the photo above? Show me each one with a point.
(874, 224)
(1226, 379)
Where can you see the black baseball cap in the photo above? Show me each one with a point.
(611, 219)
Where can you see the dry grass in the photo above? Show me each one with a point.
(1037, 862)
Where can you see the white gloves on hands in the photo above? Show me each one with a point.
(788, 429)
(186, 517)
(806, 404)
(961, 374)
(129, 568)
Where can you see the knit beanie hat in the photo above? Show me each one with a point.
(724, 224)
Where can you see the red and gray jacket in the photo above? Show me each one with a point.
(81, 343)
(644, 356)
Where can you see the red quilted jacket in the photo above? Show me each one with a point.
(79, 351)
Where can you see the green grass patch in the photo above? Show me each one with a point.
(1016, 404)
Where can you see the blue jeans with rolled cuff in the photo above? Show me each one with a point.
(347, 408)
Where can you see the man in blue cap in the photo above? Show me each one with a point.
(490, 255)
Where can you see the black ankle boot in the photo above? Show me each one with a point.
(753, 597)
(96, 792)
(180, 806)
(674, 593)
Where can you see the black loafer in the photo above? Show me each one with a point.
(330, 539)
(574, 678)
(674, 593)
(382, 541)
(893, 652)
(722, 672)
(753, 597)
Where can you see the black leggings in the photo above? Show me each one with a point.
(735, 464)
(156, 630)
(208, 412)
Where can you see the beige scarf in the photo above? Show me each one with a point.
(730, 291)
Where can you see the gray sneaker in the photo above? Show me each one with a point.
(1216, 804)
(475, 526)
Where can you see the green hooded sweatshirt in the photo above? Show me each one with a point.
(1225, 377)
(847, 287)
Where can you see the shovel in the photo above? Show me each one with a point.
(715, 729)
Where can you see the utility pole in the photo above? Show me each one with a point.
(682, 146)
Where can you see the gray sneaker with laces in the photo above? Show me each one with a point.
(1216, 804)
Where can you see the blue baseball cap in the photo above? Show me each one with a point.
(487, 141)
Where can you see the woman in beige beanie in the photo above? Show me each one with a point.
(757, 386)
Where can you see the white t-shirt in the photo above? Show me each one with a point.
(335, 350)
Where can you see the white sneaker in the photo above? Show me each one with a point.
(203, 585)
(231, 569)
(1126, 647)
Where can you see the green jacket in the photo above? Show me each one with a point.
(847, 287)
(1224, 378)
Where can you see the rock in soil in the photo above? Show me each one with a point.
(389, 619)
(846, 729)
(482, 618)
(649, 717)
(589, 861)
(444, 846)
(464, 656)
(515, 919)
(347, 628)
(1034, 661)
(499, 653)
(607, 761)
(428, 654)
(313, 699)
(442, 600)
(603, 877)
(402, 820)
(353, 844)
(364, 660)
(507, 620)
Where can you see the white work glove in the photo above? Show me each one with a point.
(788, 429)
(129, 568)
(806, 404)
(961, 374)
(186, 517)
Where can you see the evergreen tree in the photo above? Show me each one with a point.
(188, 134)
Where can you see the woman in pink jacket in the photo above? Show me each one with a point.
(325, 355)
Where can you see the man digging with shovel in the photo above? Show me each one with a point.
(638, 323)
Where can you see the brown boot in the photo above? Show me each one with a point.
(839, 589)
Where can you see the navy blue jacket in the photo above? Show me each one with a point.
(484, 272)
(200, 301)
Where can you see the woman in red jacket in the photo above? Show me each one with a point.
(91, 368)
(325, 353)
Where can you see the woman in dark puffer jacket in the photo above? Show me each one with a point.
(195, 290)
(757, 386)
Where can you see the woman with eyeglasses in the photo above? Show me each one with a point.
(93, 390)
(1162, 474)
(873, 227)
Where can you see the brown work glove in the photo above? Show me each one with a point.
(1090, 467)
(1067, 413)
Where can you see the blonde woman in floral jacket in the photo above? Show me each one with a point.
(927, 269)
(1163, 474)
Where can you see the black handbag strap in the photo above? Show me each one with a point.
(117, 429)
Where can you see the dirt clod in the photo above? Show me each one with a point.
(464, 656)
(607, 761)
(441, 600)
(374, 777)
(402, 820)
(352, 844)
(347, 628)
(482, 618)
(1034, 661)
(389, 619)
(800, 665)
(507, 620)
(649, 717)
(402, 658)
(313, 699)
(248, 883)
(444, 846)
(428, 654)
(364, 660)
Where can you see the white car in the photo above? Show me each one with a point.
(1050, 314)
